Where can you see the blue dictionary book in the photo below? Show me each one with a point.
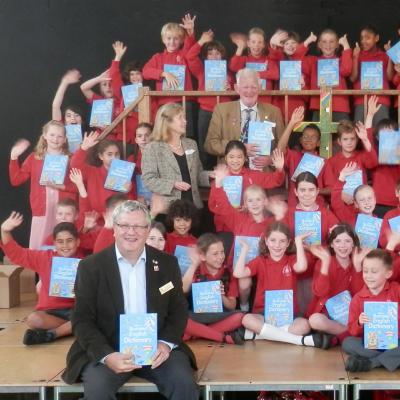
(394, 53)
(259, 67)
(253, 252)
(233, 188)
(338, 307)
(63, 274)
(308, 221)
(368, 230)
(290, 75)
(54, 169)
(260, 133)
(381, 333)
(130, 93)
(142, 190)
(138, 336)
(278, 307)
(215, 75)
(74, 136)
(352, 182)
(328, 72)
(207, 297)
(101, 114)
(119, 177)
(184, 261)
(389, 144)
(309, 163)
(371, 75)
(179, 72)
(394, 224)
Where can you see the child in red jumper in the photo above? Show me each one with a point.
(256, 45)
(95, 174)
(309, 141)
(377, 269)
(181, 218)
(43, 197)
(370, 51)
(386, 230)
(384, 177)
(208, 265)
(337, 269)
(276, 269)
(348, 136)
(173, 36)
(206, 48)
(51, 318)
(328, 44)
(364, 198)
(236, 162)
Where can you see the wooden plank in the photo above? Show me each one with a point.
(30, 366)
(18, 314)
(263, 362)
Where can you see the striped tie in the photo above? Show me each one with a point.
(245, 129)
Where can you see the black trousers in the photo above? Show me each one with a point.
(174, 379)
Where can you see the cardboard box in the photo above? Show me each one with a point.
(9, 285)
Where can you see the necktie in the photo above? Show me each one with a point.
(245, 129)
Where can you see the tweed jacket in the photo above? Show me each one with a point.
(225, 125)
(160, 170)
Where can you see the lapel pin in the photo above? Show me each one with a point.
(156, 269)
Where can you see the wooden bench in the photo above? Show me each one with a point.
(262, 365)
(202, 349)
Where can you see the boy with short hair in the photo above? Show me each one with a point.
(51, 318)
(377, 270)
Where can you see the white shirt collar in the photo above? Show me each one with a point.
(121, 257)
(243, 107)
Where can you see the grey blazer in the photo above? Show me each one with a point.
(160, 170)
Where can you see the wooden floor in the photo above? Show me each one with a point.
(254, 366)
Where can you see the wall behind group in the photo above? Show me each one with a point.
(41, 39)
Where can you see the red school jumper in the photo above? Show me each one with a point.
(273, 275)
(374, 55)
(173, 239)
(390, 292)
(270, 74)
(383, 239)
(39, 261)
(94, 178)
(196, 67)
(155, 67)
(338, 280)
(266, 180)
(32, 168)
(339, 103)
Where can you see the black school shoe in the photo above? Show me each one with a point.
(38, 336)
(358, 364)
(321, 340)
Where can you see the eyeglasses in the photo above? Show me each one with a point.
(136, 228)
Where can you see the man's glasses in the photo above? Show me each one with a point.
(136, 228)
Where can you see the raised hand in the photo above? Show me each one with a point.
(373, 106)
(311, 39)
(278, 38)
(320, 252)
(344, 42)
(347, 170)
(387, 45)
(278, 160)
(75, 176)
(104, 76)
(278, 208)
(158, 205)
(358, 257)
(119, 50)
(356, 50)
(194, 256)
(188, 23)
(239, 39)
(72, 76)
(361, 131)
(206, 37)
(297, 116)
(220, 172)
(19, 148)
(90, 220)
(89, 140)
(13, 221)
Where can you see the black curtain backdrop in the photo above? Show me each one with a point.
(41, 39)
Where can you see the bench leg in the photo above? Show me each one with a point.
(343, 392)
(42, 393)
(356, 392)
(221, 395)
(207, 393)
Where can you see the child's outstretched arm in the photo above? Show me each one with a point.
(240, 40)
(13, 221)
(354, 69)
(297, 117)
(301, 263)
(320, 285)
(240, 270)
(310, 39)
(70, 77)
(87, 86)
(187, 279)
(188, 25)
(192, 56)
(373, 108)
(18, 174)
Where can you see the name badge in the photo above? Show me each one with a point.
(166, 288)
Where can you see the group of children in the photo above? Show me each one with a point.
(76, 217)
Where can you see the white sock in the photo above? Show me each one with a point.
(309, 341)
(244, 307)
(270, 332)
(248, 335)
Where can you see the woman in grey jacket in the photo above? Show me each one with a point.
(171, 165)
